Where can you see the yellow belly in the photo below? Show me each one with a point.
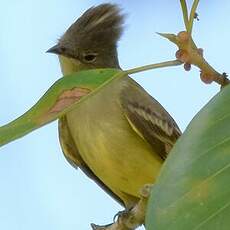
(110, 147)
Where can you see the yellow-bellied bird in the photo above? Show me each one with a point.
(120, 136)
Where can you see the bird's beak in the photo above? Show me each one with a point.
(57, 49)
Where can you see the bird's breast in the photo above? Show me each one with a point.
(109, 145)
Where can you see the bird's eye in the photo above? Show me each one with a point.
(90, 57)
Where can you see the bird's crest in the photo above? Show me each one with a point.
(100, 24)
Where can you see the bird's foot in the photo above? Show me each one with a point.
(121, 214)
(130, 218)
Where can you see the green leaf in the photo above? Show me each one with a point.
(170, 37)
(193, 190)
(65, 94)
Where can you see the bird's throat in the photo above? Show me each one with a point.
(69, 65)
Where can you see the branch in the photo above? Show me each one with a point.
(132, 219)
(188, 52)
(154, 66)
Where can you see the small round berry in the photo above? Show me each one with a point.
(206, 78)
(183, 36)
(200, 52)
(182, 55)
(187, 66)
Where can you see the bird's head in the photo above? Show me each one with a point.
(92, 39)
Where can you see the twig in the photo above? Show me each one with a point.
(188, 52)
(154, 66)
(192, 16)
(185, 12)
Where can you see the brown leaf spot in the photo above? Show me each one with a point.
(67, 98)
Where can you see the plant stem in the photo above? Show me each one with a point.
(185, 13)
(192, 15)
(154, 66)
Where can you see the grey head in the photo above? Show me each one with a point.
(92, 38)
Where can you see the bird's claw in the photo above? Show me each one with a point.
(121, 214)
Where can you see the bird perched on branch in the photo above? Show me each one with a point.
(120, 136)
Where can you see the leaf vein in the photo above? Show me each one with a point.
(200, 184)
(212, 216)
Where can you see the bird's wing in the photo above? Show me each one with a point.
(73, 156)
(148, 118)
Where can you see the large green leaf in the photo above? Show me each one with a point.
(193, 189)
(52, 105)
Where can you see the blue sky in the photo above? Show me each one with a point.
(39, 189)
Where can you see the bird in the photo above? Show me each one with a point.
(121, 136)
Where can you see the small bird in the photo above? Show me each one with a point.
(121, 136)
